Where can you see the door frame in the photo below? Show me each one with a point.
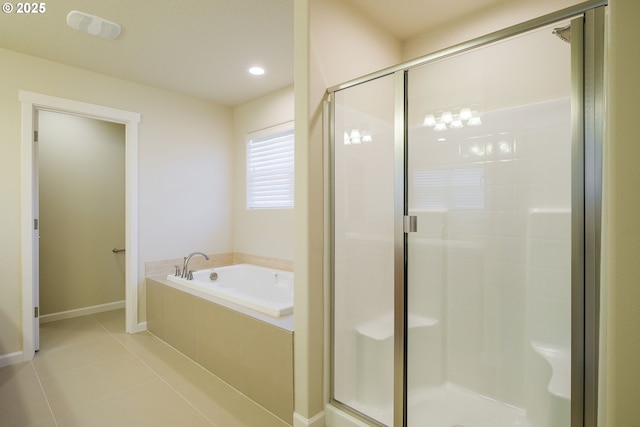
(31, 103)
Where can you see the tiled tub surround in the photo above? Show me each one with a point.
(248, 350)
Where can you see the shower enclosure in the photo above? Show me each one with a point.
(464, 224)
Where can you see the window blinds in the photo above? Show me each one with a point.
(270, 171)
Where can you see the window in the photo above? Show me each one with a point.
(270, 167)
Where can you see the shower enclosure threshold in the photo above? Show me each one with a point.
(450, 405)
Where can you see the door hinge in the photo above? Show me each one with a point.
(36, 312)
(410, 223)
(35, 135)
(35, 224)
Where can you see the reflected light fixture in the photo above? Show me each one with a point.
(501, 149)
(465, 114)
(450, 120)
(439, 127)
(488, 149)
(474, 121)
(356, 136)
(456, 124)
(429, 120)
(477, 149)
(505, 147)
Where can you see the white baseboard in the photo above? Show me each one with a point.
(142, 326)
(11, 358)
(316, 421)
(81, 311)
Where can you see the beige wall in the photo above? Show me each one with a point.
(345, 45)
(81, 210)
(622, 228)
(334, 43)
(262, 232)
(185, 163)
(497, 17)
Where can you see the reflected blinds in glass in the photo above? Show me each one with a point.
(461, 188)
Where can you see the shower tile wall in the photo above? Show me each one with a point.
(548, 296)
(364, 261)
(488, 268)
(494, 244)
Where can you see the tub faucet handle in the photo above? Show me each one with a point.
(190, 275)
(177, 270)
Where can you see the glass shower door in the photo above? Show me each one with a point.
(489, 268)
(363, 244)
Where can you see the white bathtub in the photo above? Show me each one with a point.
(267, 290)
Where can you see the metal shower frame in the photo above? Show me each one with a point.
(587, 80)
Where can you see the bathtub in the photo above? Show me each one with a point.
(266, 290)
(235, 336)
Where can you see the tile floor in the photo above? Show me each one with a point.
(89, 372)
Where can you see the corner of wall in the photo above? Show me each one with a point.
(317, 420)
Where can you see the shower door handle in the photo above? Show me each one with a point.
(410, 223)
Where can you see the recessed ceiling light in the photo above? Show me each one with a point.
(256, 71)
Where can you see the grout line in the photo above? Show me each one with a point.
(103, 327)
(208, 372)
(46, 399)
(190, 361)
(160, 377)
(109, 336)
(79, 341)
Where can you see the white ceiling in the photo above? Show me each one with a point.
(201, 48)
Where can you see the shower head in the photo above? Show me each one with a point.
(564, 33)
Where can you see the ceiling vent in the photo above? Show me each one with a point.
(93, 25)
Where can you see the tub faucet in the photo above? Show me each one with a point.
(185, 270)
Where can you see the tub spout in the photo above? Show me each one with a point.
(185, 269)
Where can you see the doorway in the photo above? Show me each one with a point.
(32, 103)
(81, 171)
